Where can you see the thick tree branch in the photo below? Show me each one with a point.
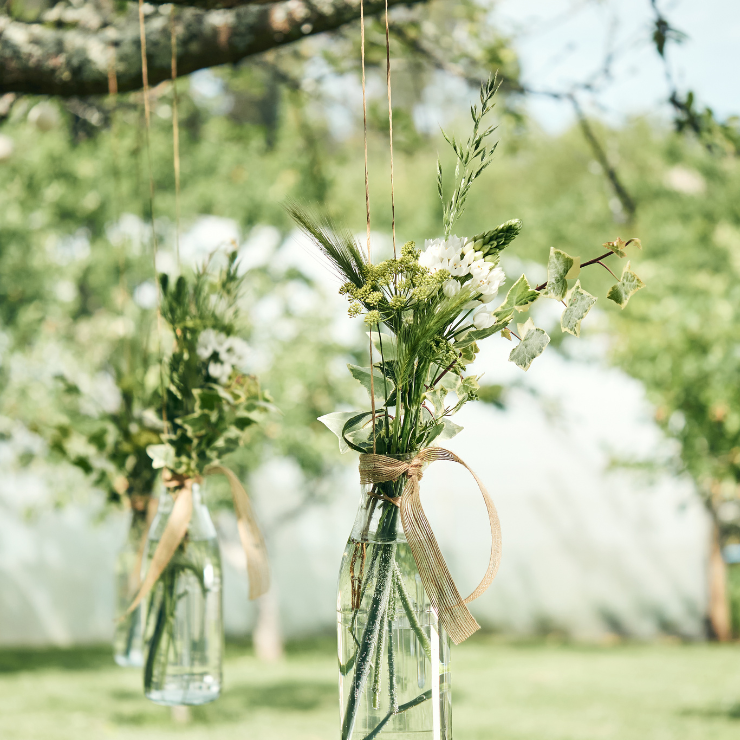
(42, 59)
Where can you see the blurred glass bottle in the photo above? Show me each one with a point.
(183, 627)
(127, 644)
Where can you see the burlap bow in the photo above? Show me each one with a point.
(451, 608)
(177, 526)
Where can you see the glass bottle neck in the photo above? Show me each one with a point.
(378, 518)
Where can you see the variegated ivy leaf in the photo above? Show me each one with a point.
(619, 246)
(532, 345)
(525, 328)
(558, 267)
(335, 423)
(579, 304)
(520, 296)
(380, 385)
(506, 334)
(451, 381)
(475, 335)
(450, 430)
(163, 456)
(385, 344)
(629, 284)
(437, 398)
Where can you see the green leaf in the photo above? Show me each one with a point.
(163, 456)
(629, 284)
(618, 246)
(357, 432)
(532, 345)
(335, 423)
(437, 398)
(450, 430)
(380, 383)
(558, 267)
(520, 295)
(579, 304)
(388, 342)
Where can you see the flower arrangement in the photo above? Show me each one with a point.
(426, 311)
(209, 403)
(210, 398)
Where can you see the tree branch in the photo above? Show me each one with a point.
(43, 59)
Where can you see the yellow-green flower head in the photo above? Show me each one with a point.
(372, 317)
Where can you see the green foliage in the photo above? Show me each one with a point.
(558, 267)
(472, 158)
(579, 303)
(211, 402)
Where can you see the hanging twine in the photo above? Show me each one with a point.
(178, 522)
(179, 519)
(175, 132)
(390, 123)
(443, 594)
(367, 203)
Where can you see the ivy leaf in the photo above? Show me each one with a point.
(476, 335)
(558, 267)
(532, 345)
(520, 295)
(629, 284)
(163, 456)
(437, 398)
(617, 246)
(579, 304)
(380, 382)
(335, 423)
(450, 430)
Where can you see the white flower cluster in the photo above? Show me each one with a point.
(225, 354)
(459, 258)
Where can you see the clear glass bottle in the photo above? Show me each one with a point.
(394, 658)
(183, 632)
(127, 647)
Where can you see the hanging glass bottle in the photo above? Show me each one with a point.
(394, 658)
(183, 633)
(127, 646)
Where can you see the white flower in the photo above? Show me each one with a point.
(235, 351)
(451, 288)
(440, 253)
(460, 265)
(494, 281)
(483, 320)
(209, 341)
(220, 371)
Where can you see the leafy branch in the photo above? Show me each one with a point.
(472, 159)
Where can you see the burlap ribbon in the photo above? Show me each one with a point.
(177, 526)
(451, 608)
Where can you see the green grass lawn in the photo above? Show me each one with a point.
(502, 690)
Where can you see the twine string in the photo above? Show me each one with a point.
(390, 123)
(147, 138)
(367, 206)
(175, 133)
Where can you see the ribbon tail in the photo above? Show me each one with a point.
(436, 578)
(250, 535)
(174, 532)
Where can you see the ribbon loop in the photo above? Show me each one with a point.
(177, 527)
(443, 594)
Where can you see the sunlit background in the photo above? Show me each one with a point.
(614, 461)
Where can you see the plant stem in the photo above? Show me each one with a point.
(408, 705)
(409, 609)
(369, 642)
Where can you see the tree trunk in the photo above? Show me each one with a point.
(719, 608)
(267, 636)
